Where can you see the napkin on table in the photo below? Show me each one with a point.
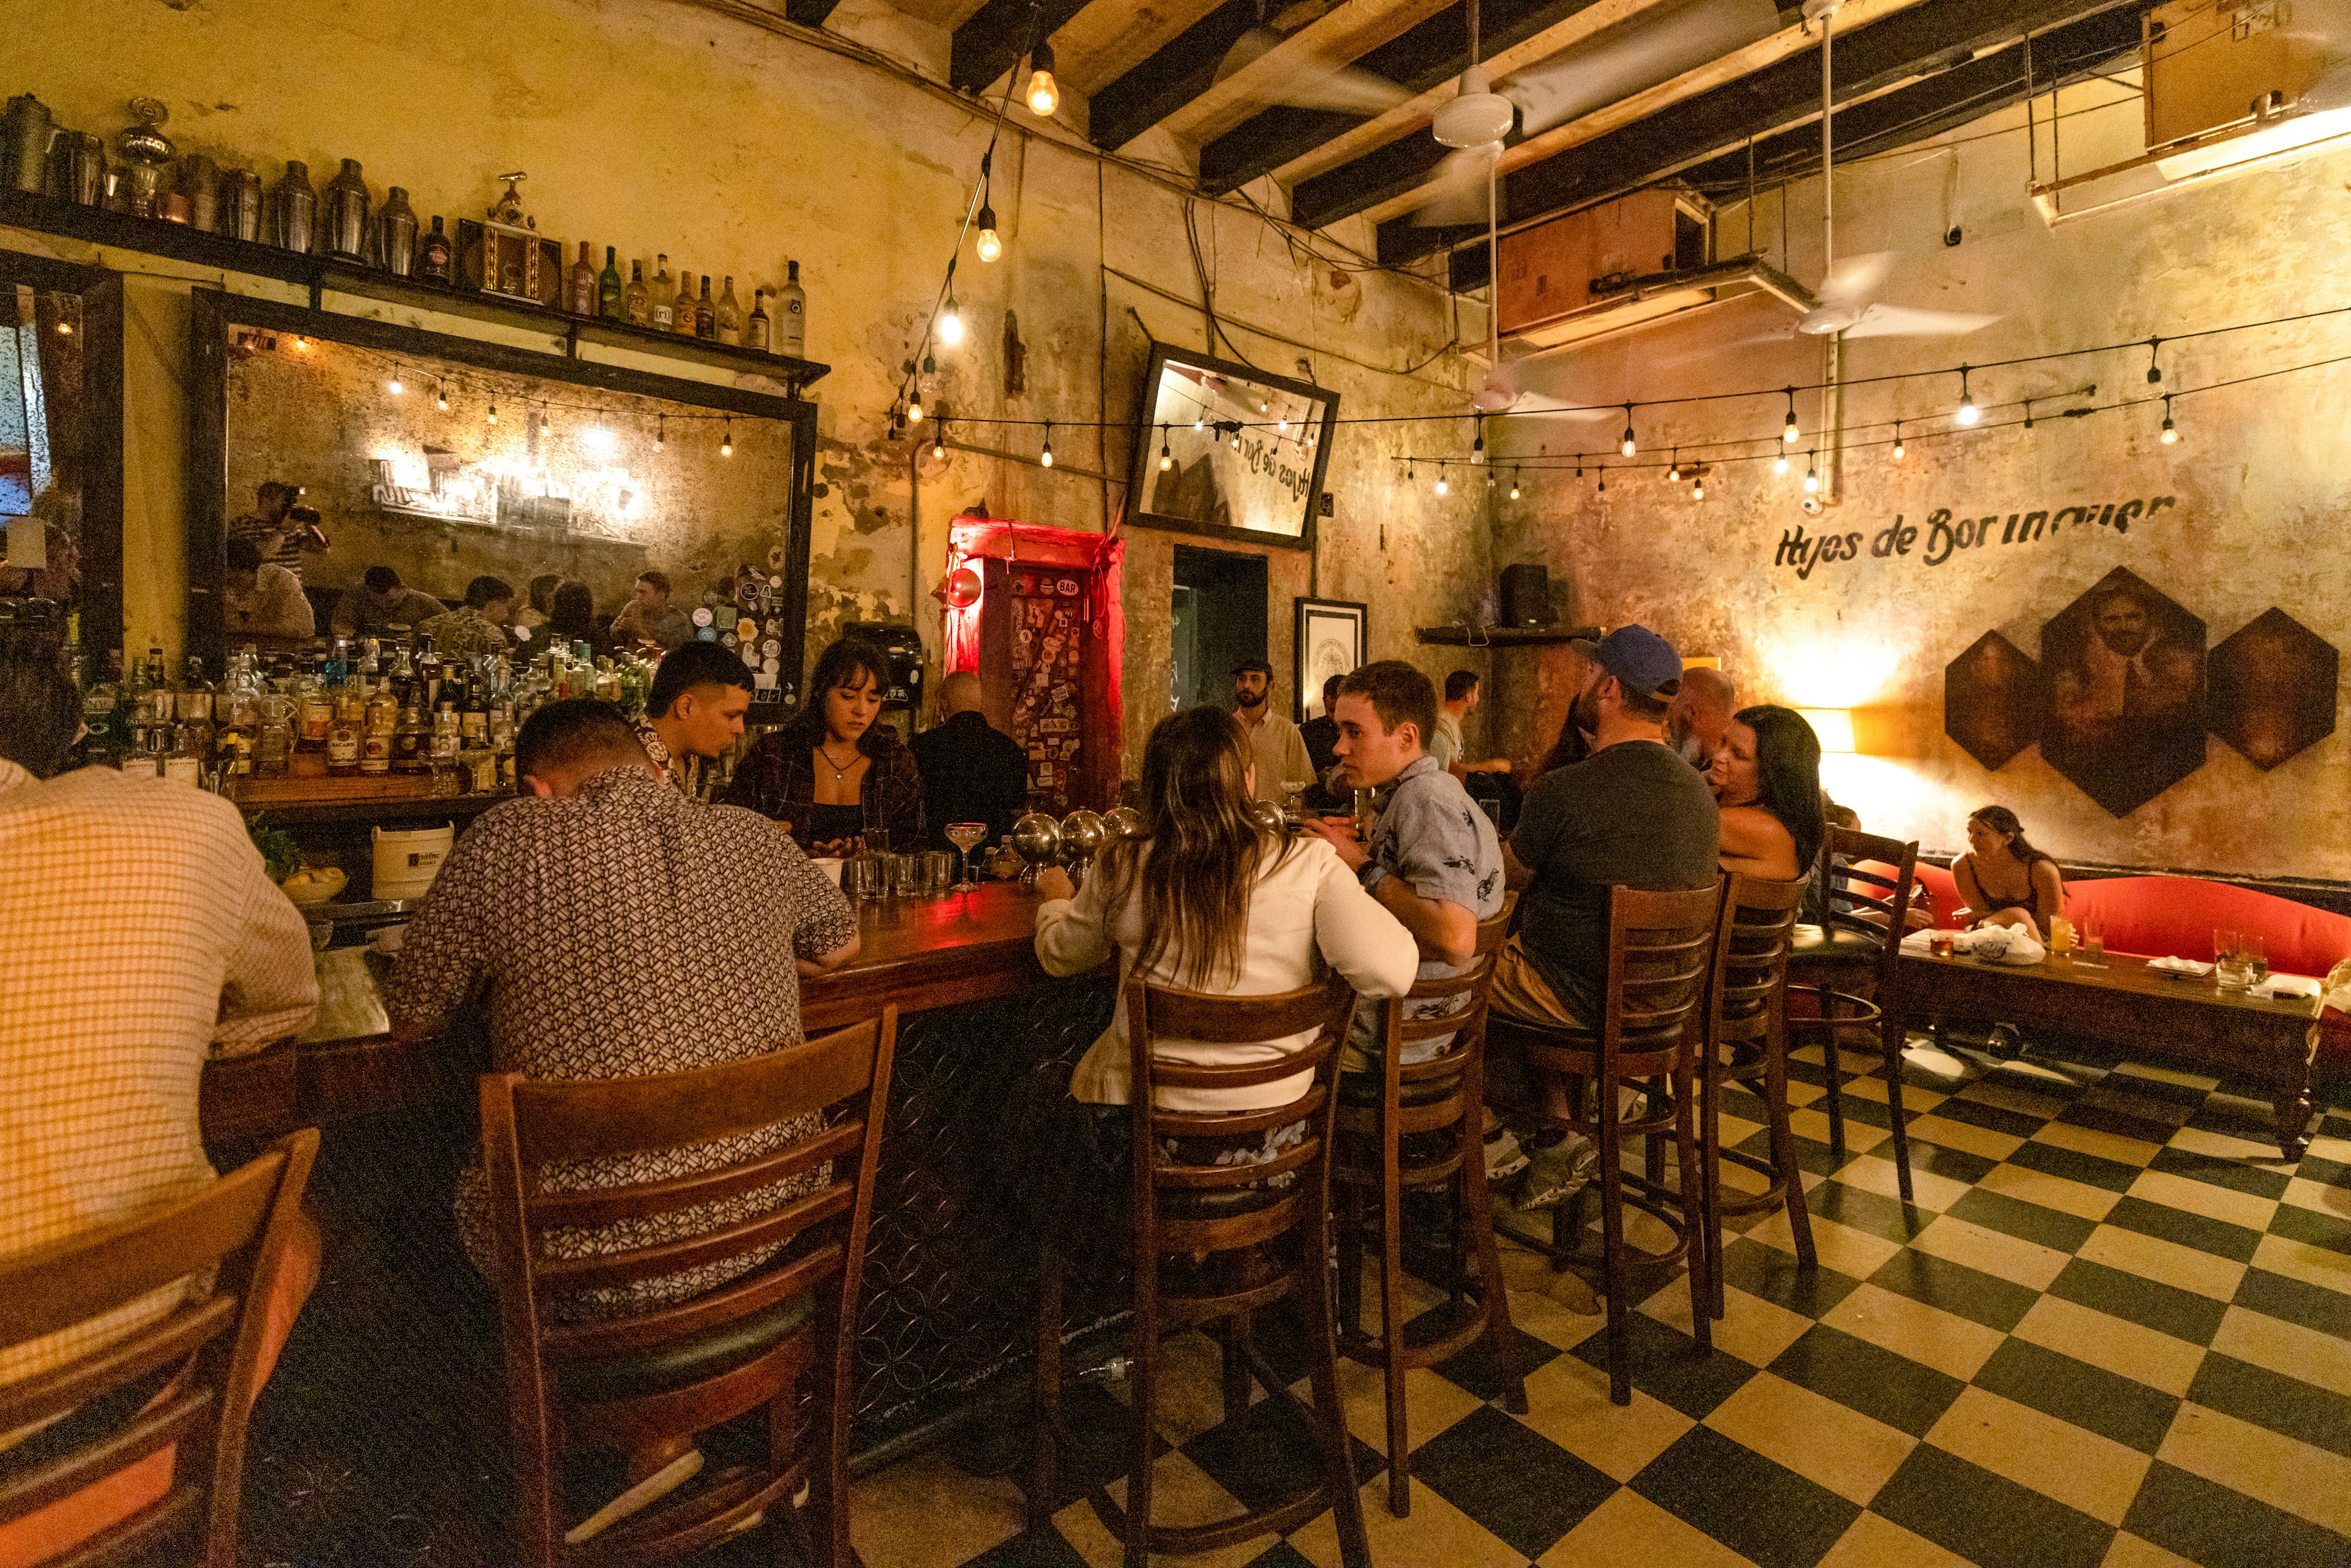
(2174, 965)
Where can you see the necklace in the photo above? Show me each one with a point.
(838, 770)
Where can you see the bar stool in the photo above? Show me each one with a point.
(1661, 950)
(648, 1383)
(1858, 946)
(1438, 1104)
(1214, 1244)
(1746, 1027)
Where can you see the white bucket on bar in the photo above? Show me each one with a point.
(408, 859)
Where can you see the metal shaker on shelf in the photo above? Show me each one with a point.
(25, 134)
(145, 150)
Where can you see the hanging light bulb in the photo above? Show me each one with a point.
(2154, 365)
(990, 246)
(440, 396)
(1444, 486)
(1898, 447)
(1237, 438)
(1407, 470)
(1514, 484)
(1166, 457)
(950, 324)
(1812, 475)
(1780, 463)
(1046, 458)
(65, 329)
(726, 441)
(1968, 412)
(1625, 444)
(2170, 432)
(1282, 424)
(1044, 95)
(914, 408)
(1200, 420)
(1604, 481)
(394, 386)
(493, 413)
(1578, 464)
(1789, 432)
(1697, 487)
(939, 439)
(1674, 472)
(1478, 448)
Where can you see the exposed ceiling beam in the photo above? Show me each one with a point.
(1421, 60)
(1344, 34)
(1924, 40)
(1162, 84)
(808, 12)
(1111, 38)
(994, 38)
(1395, 180)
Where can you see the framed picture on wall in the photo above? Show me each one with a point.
(1331, 638)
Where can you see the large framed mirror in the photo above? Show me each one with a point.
(343, 446)
(1229, 452)
(61, 456)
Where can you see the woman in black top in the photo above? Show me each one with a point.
(2005, 880)
(837, 779)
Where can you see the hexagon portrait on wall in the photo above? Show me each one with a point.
(2123, 681)
(2273, 688)
(1992, 700)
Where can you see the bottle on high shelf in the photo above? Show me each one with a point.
(730, 315)
(608, 286)
(377, 740)
(754, 326)
(140, 761)
(343, 738)
(662, 299)
(155, 703)
(318, 710)
(705, 314)
(435, 256)
(428, 675)
(194, 705)
(681, 314)
(579, 296)
(411, 742)
(635, 309)
(181, 765)
(100, 705)
(474, 715)
(791, 328)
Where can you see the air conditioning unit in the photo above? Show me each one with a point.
(1555, 269)
(2210, 66)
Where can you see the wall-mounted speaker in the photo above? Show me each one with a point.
(1526, 596)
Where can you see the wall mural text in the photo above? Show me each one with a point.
(1938, 539)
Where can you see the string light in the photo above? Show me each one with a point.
(2154, 366)
(726, 441)
(1200, 421)
(1780, 463)
(440, 396)
(1046, 460)
(1697, 485)
(1789, 432)
(939, 438)
(2170, 432)
(1603, 479)
(1514, 484)
(493, 413)
(1478, 447)
(1625, 444)
(950, 324)
(1673, 471)
(65, 329)
(1968, 412)
(1237, 438)
(914, 408)
(1811, 473)
(990, 246)
(1443, 485)
(394, 386)
(1044, 94)
(2028, 413)
(1898, 447)
(1167, 456)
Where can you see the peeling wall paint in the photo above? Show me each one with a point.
(2261, 482)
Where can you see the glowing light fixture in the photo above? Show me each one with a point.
(1167, 456)
(65, 329)
(1790, 433)
(1444, 486)
(990, 246)
(1697, 487)
(939, 439)
(950, 324)
(1812, 475)
(599, 439)
(493, 413)
(1046, 458)
(1674, 470)
(440, 396)
(1833, 725)
(1478, 448)
(1780, 463)
(1044, 94)
(394, 386)
(726, 441)
(1625, 443)
(2170, 432)
(1898, 447)
(1968, 412)
(1514, 484)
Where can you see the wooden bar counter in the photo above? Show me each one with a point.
(983, 1032)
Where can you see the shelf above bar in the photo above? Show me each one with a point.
(1475, 636)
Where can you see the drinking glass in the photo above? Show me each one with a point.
(2092, 929)
(2254, 956)
(1294, 794)
(965, 836)
(857, 878)
(2229, 971)
(938, 870)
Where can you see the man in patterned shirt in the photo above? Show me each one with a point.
(695, 712)
(477, 626)
(619, 931)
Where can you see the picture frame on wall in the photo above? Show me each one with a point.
(1333, 636)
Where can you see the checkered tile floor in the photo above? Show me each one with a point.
(2114, 1329)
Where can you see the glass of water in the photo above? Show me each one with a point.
(2230, 970)
(2091, 930)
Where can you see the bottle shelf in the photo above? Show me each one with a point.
(321, 275)
(1477, 636)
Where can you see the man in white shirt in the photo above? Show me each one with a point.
(1462, 689)
(1275, 745)
(139, 937)
(650, 617)
(261, 598)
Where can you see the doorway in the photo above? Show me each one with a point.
(1219, 618)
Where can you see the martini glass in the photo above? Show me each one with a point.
(966, 836)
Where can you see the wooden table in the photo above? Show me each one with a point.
(2189, 1021)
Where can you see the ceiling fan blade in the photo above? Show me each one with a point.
(1316, 81)
(1622, 61)
(1901, 321)
(1534, 405)
(1457, 188)
(1854, 279)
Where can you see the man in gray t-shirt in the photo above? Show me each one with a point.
(1433, 860)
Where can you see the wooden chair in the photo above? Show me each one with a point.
(1661, 950)
(1857, 948)
(208, 1354)
(645, 1384)
(1214, 1244)
(1442, 1097)
(1748, 1043)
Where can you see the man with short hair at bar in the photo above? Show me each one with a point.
(1700, 717)
(650, 617)
(619, 930)
(972, 771)
(1462, 691)
(1274, 743)
(477, 626)
(261, 598)
(139, 936)
(693, 713)
(380, 602)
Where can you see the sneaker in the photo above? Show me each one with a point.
(1504, 1158)
(1558, 1173)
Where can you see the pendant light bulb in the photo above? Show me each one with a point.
(1444, 486)
(1968, 412)
(938, 441)
(914, 409)
(1044, 93)
(1166, 457)
(950, 324)
(1604, 481)
(1477, 450)
(2154, 365)
(1789, 432)
(1625, 444)
(1780, 463)
(1674, 470)
(660, 432)
(1697, 488)
(726, 441)
(1514, 484)
(990, 246)
(1237, 438)
(1046, 458)
(2170, 432)
(493, 413)
(394, 386)
(1899, 448)
(441, 397)
(1812, 476)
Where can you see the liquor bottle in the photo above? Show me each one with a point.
(580, 285)
(140, 762)
(382, 725)
(99, 705)
(705, 314)
(662, 299)
(195, 702)
(755, 329)
(791, 332)
(428, 674)
(435, 254)
(156, 702)
(411, 742)
(275, 745)
(681, 307)
(181, 765)
(474, 715)
(730, 315)
(608, 286)
(343, 740)
(447, 736)
(317, 713)
(634, 306)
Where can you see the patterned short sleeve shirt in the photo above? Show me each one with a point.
(623, 932)
(1436, 837)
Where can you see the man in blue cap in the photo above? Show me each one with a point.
(1631, 813)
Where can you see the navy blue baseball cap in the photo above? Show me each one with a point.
(1644, 661)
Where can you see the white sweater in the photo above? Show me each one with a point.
(1306, 903)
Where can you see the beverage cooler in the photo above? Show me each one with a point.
(1035, 613)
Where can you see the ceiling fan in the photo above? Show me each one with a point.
(1316, 78)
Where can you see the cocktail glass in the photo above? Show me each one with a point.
(966, 836)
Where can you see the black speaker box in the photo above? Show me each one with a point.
(1526, 596)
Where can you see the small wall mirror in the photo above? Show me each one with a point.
(61, 455)
(1230, 452)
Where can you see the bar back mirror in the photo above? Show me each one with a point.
(338, 446)
(61, 457)
(1230, 451)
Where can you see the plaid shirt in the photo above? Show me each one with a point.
(623, 933)
(139, 934)
(777, 779)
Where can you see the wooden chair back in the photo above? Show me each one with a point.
(239, 1229)
(1751, 965)
(1323, 1012)
(1874, 879)
(817, 1241)
(1661, 947)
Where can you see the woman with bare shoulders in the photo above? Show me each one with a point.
(1766, 777)
(2004, 879)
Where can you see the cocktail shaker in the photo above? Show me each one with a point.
(240, 205)
(200, 182)
(294, 210)
(29, 131)
(145, 150)
(347, 213)
(80, 163)
(398, 220)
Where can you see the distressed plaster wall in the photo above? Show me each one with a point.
(664, 126)
(2261, 480)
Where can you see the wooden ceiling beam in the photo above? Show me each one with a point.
(992, 39)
